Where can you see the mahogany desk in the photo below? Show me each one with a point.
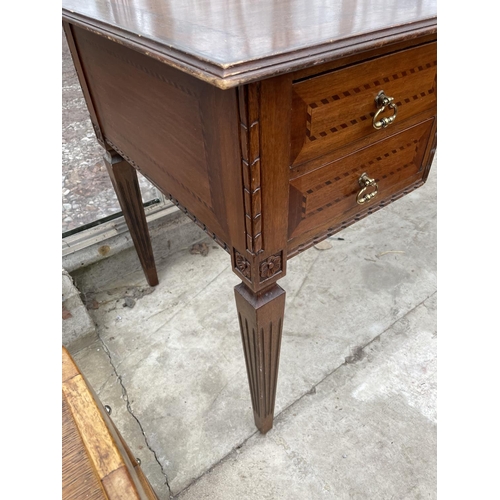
(271, 124)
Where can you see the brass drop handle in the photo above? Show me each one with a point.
(382, 101)
(365, 182)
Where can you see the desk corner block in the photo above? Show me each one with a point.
(260, 317)
(259, 271)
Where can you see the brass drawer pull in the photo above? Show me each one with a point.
(382, 101)
(365, 182)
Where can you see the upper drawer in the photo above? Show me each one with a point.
(337, 108)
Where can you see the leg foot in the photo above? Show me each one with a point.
(124, 179)
(261, 321)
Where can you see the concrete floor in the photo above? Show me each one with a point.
(356, 402)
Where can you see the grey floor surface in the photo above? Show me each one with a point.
(356, 401)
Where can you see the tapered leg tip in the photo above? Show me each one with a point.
(152, 279)
(264, 425)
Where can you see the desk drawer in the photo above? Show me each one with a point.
(335, 109)
(331, 194)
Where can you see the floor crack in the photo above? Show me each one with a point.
(360, 350)
(129, 409)
(307, 393)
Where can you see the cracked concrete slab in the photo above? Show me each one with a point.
(178, 355)
(368, 430)
(78, 329)
(113, 393)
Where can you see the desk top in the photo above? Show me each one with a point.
(230, 42)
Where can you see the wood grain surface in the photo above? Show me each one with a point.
(96, 462)
(337, 108)
(230, 42)
(326, 197)
(261, 325)
(78, 477)
(126, 185)
(272, 167)
(179, 132)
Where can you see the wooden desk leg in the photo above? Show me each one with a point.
(124, 179)
(261, 322)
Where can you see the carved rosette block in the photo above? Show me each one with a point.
(243, 266)
(262, 271)
(269, 267)
(261, 322)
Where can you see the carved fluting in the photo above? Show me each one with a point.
(259, 347)
(249, 108)
(261, 322)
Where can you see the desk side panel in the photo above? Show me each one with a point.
(179, 132)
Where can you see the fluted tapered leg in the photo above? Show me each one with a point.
(124, 179)
(261, 322)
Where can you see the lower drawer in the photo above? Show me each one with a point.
(332, 194)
